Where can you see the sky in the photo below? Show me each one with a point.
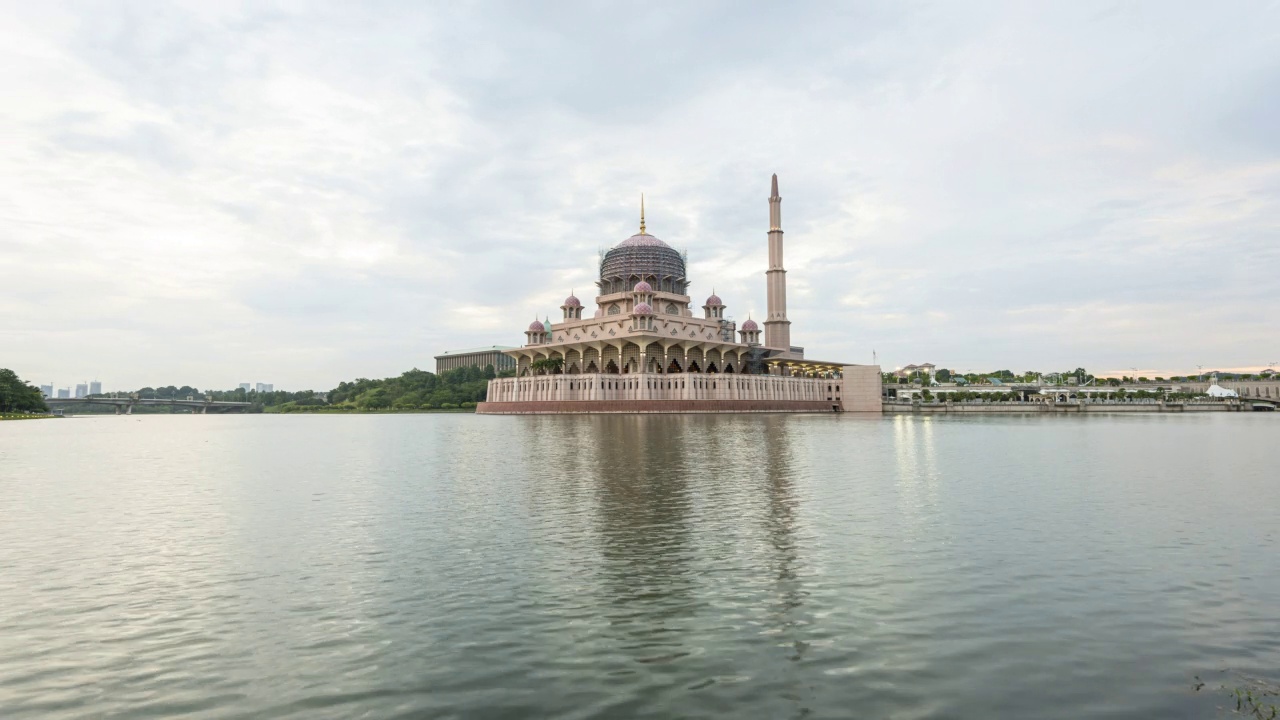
(304, 193)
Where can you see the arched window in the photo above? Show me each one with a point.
(614, 309)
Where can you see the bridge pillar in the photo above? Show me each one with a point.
(204, 409)
(128, 409)
(117, 407)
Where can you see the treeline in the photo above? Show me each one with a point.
(17, 396)
(414, 390)
(258, 402)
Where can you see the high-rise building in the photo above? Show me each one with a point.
(246, 387)
(265, 387)
(47, 390)
(82, 390)
(64, 393)
(95, 387)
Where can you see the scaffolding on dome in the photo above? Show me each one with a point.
(659, 264)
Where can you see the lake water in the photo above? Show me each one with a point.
(766, 566)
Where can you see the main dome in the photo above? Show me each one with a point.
(643, 257)
(643, 240)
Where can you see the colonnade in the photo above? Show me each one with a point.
(624, 358)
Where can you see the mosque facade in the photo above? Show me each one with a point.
(646, 348)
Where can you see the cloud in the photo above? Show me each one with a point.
(212, 194)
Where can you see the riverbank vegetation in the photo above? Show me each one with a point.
(460, 388)
(18, 397)
(413, 391)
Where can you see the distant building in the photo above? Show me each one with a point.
(246, 387)
(47, 390)
(95, 387)
(265, 387)
(494, 355)
(82, 390)
(64, 393)
(925, 369)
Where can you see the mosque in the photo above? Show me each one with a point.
(644, 350)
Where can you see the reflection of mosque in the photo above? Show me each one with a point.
(690, 522)
(645, 502)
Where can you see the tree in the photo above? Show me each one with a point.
(17, 396)
(944, 375)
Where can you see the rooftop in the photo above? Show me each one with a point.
(469, 351)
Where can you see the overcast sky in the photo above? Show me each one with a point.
(210, 194)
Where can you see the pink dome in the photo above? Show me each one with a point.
(714, 301)
(642, 240)
(536, 326)
(750, 325)
(572, 301)
(642, 309)
(642, 287)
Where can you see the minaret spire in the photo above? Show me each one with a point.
(777, 328)
(642, 232)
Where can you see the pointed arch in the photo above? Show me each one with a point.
(674, 366)
(611, 367)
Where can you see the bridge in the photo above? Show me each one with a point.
(126, 404)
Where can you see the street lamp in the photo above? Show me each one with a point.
(1135, 374)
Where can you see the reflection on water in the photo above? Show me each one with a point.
(633, 566)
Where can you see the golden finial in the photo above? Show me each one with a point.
(642, 232)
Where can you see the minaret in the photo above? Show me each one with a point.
(777, 328)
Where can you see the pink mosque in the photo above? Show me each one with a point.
(644, 351)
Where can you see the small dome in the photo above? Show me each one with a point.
(536, 326)
(714, 301)
(642, 287)
(642, 309)
(750, 325)
(572, 301)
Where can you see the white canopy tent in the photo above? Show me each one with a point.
(1218, 391)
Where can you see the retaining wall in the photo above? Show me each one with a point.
(555, 407)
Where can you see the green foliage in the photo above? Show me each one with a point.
(547, 366)
(415, 389)
(17, 396)
(944, 375)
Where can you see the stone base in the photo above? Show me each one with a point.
(561, 407)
